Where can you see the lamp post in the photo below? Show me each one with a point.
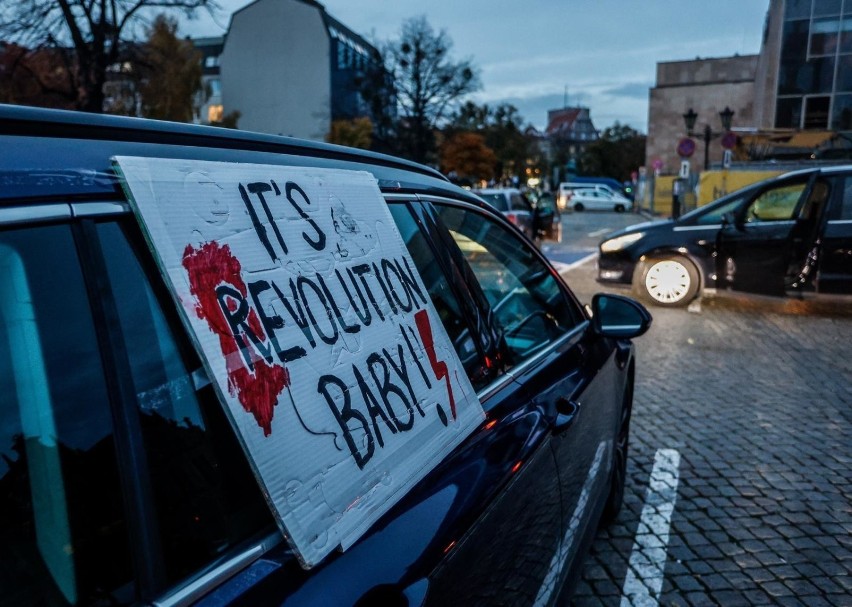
(689, 119)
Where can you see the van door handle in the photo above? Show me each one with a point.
(567, 412)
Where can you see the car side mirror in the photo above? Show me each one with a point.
(618, 316)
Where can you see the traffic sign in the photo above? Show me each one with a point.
(685, 147)
(729, 141)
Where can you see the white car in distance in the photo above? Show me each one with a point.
(596, 199)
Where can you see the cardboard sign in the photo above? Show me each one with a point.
(317, 331)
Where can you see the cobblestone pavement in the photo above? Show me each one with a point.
(756, 396)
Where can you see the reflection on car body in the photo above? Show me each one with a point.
(787, 235)
(122, 481)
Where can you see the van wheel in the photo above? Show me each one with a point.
(619, 208)
(579, 206)
(667, 281)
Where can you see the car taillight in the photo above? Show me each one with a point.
(512, 217)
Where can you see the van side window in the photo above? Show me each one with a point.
(776, 204)
(62, 527)
(529, 308)
(206, 497)
(844, 212)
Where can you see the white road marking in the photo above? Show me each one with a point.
(644, 579)
(578, 263)
(557, 563)
(599, 232)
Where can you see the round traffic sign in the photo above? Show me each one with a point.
(685, 147)
(729, 141)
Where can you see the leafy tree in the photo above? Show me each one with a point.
(171, 73)
(619, 151)
(34, 77)
(503, 132)
(466, 156)
(356, 133)
(376, 87)
(97, 32)
(427, 84)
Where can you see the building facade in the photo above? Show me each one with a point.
(290, 68)
(208, 104)
(808, 65)
(707, 86)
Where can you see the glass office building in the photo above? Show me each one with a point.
(815, 71)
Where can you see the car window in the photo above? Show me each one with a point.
(63, 534)
(714, 216)
(843, 208)
(776, 204)
(519, 203)
(440, 293)
(498, 201)
(206, 498)
(530, 309)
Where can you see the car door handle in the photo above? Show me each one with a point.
(567, 412)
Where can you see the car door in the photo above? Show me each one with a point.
(755, 246)
(568, 377)
(492, 554)
(835, 259)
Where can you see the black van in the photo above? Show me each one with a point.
(791, 234)
(121, 479)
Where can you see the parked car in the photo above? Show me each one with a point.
(791, 234)
(566, 191)
(123, 482)
(598, 199)
(516, 207)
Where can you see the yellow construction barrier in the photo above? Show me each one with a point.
(715, 184)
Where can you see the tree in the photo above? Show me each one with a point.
(34, 77)
(427, 84)
(503, 131)
(171, 73)
(467, 157)
(619, 151)
(96, 31)
(355, 133)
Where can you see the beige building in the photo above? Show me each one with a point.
(707, 86)
(290, 68)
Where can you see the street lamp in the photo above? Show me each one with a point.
(689, 119)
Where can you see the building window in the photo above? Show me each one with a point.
(788, 113)
(846, 34)
(816, 112)
(825, 34)
(826, 7)
(798, 9)
(215, 87)
(841, 117)
(215, 113)
(211, 61)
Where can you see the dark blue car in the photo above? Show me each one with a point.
(121, 480)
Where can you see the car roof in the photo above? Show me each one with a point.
(49, 157)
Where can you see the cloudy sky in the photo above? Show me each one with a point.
(529, 53)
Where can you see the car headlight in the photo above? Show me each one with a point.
(616, 244)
